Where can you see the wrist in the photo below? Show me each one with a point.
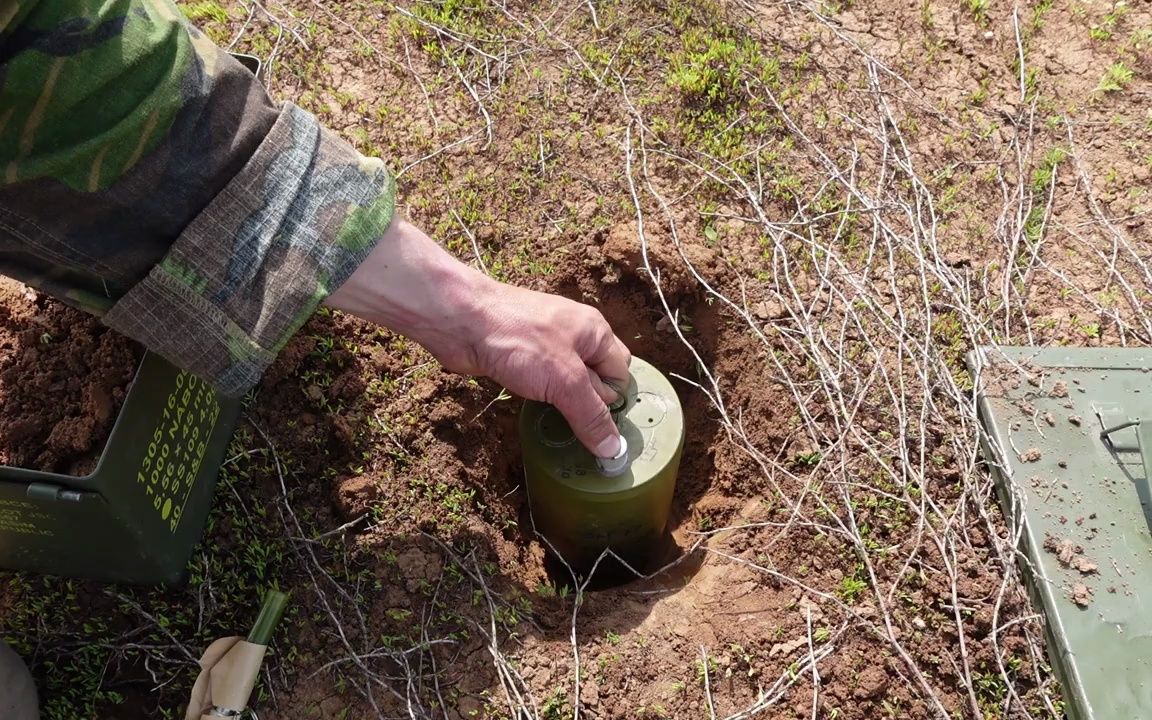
(411, 285)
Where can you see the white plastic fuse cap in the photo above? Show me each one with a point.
(614, 466)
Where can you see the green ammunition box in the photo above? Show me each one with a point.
(137, 516)
(1068, 439)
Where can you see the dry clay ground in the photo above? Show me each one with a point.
(807, 214)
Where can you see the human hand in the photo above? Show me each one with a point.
(545, 347)
(539, 346)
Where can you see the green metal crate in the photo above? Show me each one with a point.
(1071, 460)
(137, 516)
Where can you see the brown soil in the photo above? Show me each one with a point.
(63, 378)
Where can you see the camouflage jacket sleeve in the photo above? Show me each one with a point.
(145, 176)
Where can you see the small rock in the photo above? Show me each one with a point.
(1049, 419)
(1075, 420)
(769, 310)
(1085, 566)
(418, 567)
(1070, 555)
(787, 648)
(873, 683)
(958, 259)
(1064, 549)
(1082, 595)
(807, 605)
(590, 694)
(919, 623)
(468, 707)
(355, 495)
(1030, 455)
(1059, 390)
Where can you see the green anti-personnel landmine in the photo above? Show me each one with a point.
(137, 516)
(580, 510)
(1069, 441)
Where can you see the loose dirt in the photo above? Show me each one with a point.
(63, 378)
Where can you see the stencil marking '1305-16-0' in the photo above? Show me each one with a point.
(172, 460)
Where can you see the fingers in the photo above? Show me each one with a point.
(587, 414)
(608, 357)
(625, 354)
(609, 393)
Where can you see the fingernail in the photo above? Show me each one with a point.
(609, 447)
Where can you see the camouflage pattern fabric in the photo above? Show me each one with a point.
(146, 177)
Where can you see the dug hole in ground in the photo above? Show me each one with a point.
(806, 215)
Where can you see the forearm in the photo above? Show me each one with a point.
(97, 185)
(185, 208)
(209, 225)
(536, 345)
(413, 286)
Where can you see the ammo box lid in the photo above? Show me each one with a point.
(1069, 439)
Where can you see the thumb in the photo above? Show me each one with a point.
(589, 418)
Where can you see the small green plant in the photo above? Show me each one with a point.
(1116, 78)
(1034, 224)
(556, 707)
(809, 459)
(979, 10)
(851, 588)
(709, 71)
(990, 688)
(656, 711)
(612, 638)
(1141, 38)
(980, 94)
(1042, 175)
(706, 671)
(1106, 28)
(206, 10)
(553, 590)
(1038, 12)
